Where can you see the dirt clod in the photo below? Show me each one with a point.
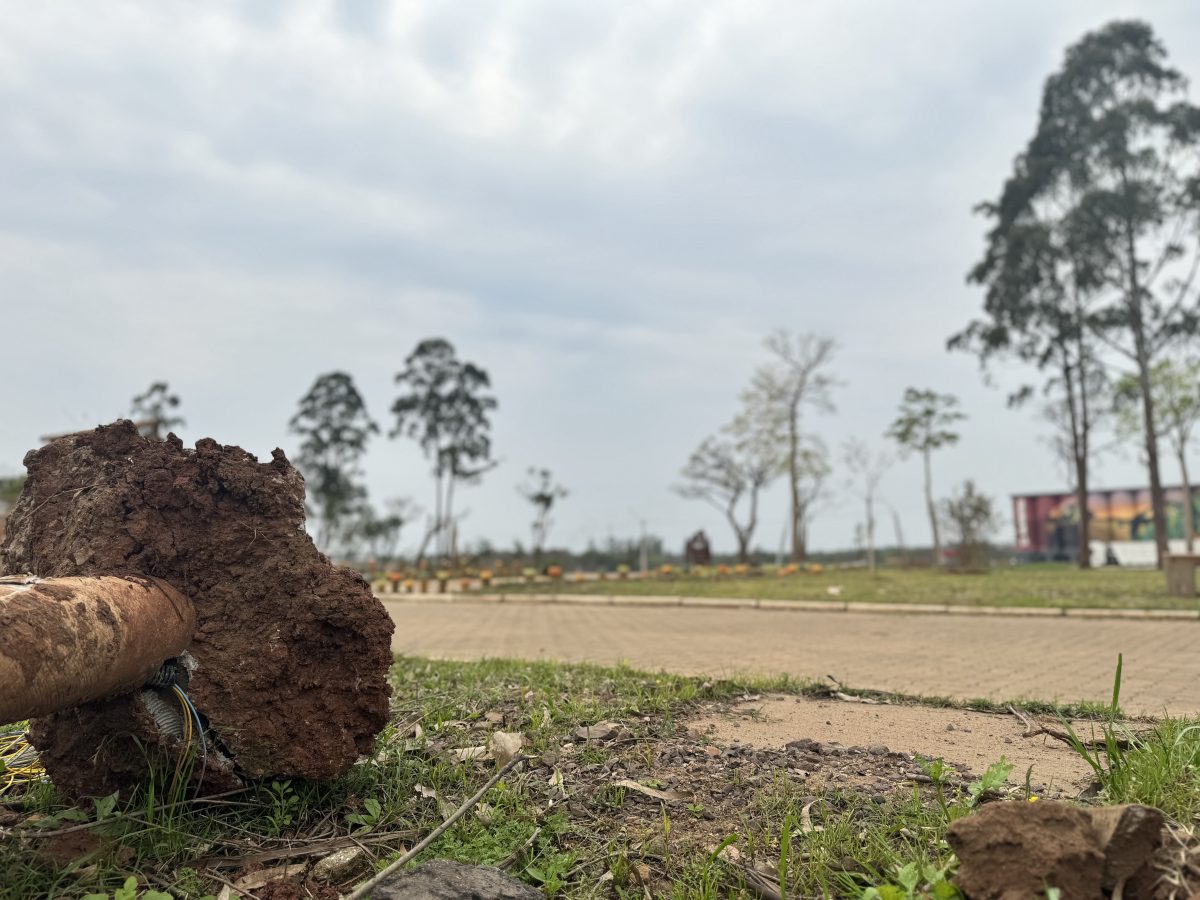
(292, 653)
(1011, 850)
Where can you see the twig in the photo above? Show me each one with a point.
(760, 885)
(437, 832)
(1033, 729)
(516, 854)
(309, 849)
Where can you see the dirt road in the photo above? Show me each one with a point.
(959, 656)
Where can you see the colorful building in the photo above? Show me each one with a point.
(1047, 525)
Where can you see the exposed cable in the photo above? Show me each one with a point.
(19, 763)
(195, 716)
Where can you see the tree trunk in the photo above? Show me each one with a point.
(929, 504)
(1189, 509)
(870, 536)
(448, 515)
(436, 533)
(1080, 429)
(794, 482)
(1157, 501)
(1142, 356)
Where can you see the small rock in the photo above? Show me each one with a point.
(441, 879)
(340, 865)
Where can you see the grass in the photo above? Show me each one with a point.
(1040, 585)
(563, 826)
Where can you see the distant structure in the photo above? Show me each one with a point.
(1121, 525)
(696, 552)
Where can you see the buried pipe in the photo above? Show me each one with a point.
(68, 641)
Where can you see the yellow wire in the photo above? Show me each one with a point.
(15, 746)
(187, 730)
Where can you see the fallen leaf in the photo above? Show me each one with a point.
(806, 825)
(466, 754)
(504, 745)
(665, 796)
(255, 880)
(601, 731)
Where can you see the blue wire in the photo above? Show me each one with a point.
(199, 730)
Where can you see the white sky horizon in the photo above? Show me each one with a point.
(607, 206)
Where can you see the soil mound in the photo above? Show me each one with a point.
(291, 652)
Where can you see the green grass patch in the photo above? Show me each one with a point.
(1042, 585)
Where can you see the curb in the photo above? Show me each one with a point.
(775, 605)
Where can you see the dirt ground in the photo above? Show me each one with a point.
(971, 739)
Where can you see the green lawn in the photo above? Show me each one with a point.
(1034, 585)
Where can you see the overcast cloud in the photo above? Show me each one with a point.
(607, 205)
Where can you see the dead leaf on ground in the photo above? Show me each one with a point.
(466, 754)
(665, 796)
(255, 880)
(444, 808)
(806, 825)
(601, 731)
(504, 745)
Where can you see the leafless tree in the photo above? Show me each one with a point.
(866, 471)
(795, 381)
(725, 470)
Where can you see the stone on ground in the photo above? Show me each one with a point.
(441, 879)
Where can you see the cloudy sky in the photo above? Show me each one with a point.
(607, 205)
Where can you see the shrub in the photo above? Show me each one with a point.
(971, 517)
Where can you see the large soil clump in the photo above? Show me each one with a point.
(291, 653)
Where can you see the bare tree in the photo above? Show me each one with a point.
(866, 471)
(543, 493)
(796, 380)
(723, 471)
